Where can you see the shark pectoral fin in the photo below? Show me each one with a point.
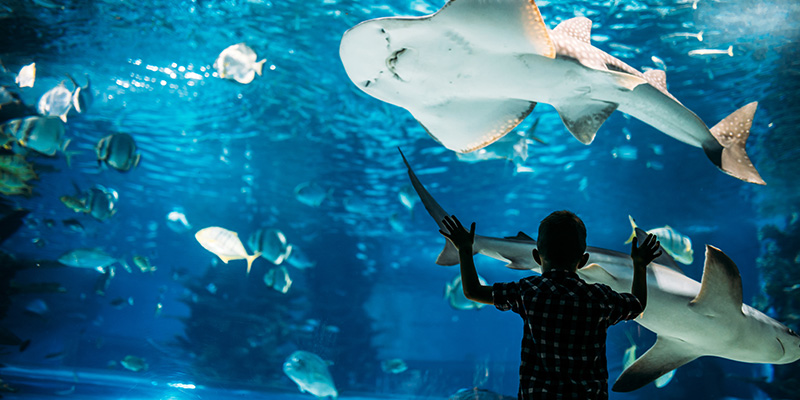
(732, 133)
(583, 117)
(596, 273)
(666, 355)
(579, 28)
(466, 125)
(721, 286)
(449, 254)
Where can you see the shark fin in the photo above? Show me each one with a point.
(666, 355)
(583, 117)
(499, 25)
(657, 78)
(597, 273)
(721, 286)
(521, 236)
(466, 125)
(732, 133)
(449, 254)
(434, 209)
(579, 28)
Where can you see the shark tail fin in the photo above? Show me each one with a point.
(732, 133)
(633, 229)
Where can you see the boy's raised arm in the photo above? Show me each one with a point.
(462, 239)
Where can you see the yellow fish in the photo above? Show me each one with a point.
(225, 244)
(673, 242)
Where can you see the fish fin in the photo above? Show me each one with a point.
(720, 287)
(597, 273)
(666, 355)
(138, 158)
(258, 66)
(732, 133)
(521, 236)
(466, 125)
(449, 255)
(73, 80)
(625, 80)
(63, 117)
(633, 230)
(583, 116)
(579, 28)
(250, 260)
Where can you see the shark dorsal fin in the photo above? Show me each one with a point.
(579, 28)
(521, 236)
(721, 286)
(666, 355)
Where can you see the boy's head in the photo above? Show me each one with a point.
(562, 241)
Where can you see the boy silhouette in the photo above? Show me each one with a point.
(565, 318)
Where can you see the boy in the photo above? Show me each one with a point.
(564, 342)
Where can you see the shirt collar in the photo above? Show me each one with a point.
(559, 274)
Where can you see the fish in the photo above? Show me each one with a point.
(26, 76)
(393, 366)
(311, 194)
(454, 294)
(298, 258)
(75, 203)
(177, 222)
(407, 197)
(310, 373)
(698, 35)
(82, 97)
(95, 259)
(102, 202)
(73, 225)
(118, 151)
(225, 244)
(56, 102)
(478, 394)
(238, 62)
(42, 134)
(37, 307)
(711, 52)
(691, 319)
(17, 165)
(472, 71)
(144, 264)
(12, 184)
(12, 106)
(271, 243)
(133, 363)
(673, 242)
(278, 278)
(119, 302)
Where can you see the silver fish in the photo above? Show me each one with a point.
(298, 259)
(89, 258)
(56, 102)
(82, 97)
(101, 202)
(711, 52)
(673, 242)
(225, 244)
(26, 76)
(118, 151)
(454, 294)
(271, 243)
(311, 194)
(310, 373)
(177, 222)
(42, 134)
(278, 278)
(238, 62)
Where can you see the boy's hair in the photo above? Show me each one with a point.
(562, 239)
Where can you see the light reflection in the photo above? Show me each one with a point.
(181, 385)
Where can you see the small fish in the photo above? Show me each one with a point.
(119, 302)
(478, 394)
(17, 165)
(711, 52)
(75, 203)
(73, 225)
(660, 64)
(408, 197)
(278, 279)
(118, 151)
(677, 245)
(625, 152)
(144, 264)
(298, 259)
(82, 95)
(698, 36)
(311, 194)
(56, 102)
(42, 134)
(271, 243)
(310, 373)
(12, 183)
(225, 244)
(454, 294)
(177, 222)
(26, 76)
(238, 62)
(102, 202)
(393, 366)
(133, 363)
(37, 307)
(89, 258)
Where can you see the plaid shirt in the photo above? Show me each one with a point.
(564, 345)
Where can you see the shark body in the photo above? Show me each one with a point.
(692, 319)
(472, 71)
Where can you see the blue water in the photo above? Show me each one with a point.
(231, 155)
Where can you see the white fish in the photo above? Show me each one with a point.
(90, 258)
(82, 96)
(118, 151)
(298, 258)
(310, 373)
(133, 363)
(454, 294)
(56, 102)
(711, 52)
(408, 197)
(26, 76)
(101, 202)
(238, 62)
(698, 36)
(177, 222)
(225, 244)
(38, 307)
(271, 243)
(278, 278)
(475, 69)
(311, 194)
(42, 134)
(673, 242)
(393, 366)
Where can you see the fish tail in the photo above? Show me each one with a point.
(633, 228)
(730, 50)
(731, 155)
(700, 36)
(250, 260)
(259, 66)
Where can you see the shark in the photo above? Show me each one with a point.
(691, 319)
(472, 71)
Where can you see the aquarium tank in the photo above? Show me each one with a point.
(243, 198)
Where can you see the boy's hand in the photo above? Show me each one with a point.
(647, 252)
(456, 232)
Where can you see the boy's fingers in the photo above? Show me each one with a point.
(472, 229)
